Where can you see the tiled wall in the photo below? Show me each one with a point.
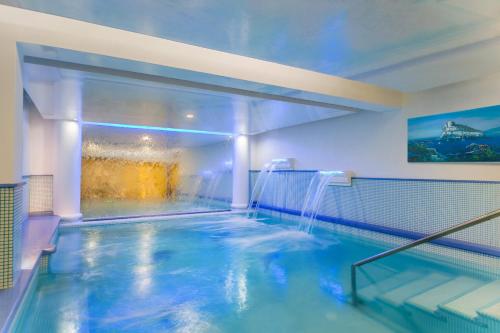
(40, 193)
(396, 206)
(44, 263)
(26, 198)
(12, 217)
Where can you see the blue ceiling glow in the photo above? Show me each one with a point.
(155, 128)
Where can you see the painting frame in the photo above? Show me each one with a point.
(468, 136)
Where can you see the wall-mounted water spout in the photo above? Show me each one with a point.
(339, 178)
(262, 181)
(315, 193)
(259, 187)
(283, 163)
(213, 182)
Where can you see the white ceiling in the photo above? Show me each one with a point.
(409, 45)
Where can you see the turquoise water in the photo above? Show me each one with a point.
(210, 274)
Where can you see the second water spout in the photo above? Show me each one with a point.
(314, 196)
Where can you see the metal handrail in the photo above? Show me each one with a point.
(439, 234)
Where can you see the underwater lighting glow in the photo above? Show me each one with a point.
(156, 128)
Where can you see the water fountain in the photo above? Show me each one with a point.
(262, 181)
(259, 187)
(194, 188)
(213, 184)
(315, 193)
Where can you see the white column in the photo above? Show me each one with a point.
(241, 168)
(68, 142)
(11, 113)
(241, 154)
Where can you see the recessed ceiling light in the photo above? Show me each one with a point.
(190, 116)
(146, 138)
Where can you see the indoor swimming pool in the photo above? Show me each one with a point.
(240, 166)
(227, 273)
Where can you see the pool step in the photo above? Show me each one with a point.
(430, 300)
(437, 301)
(490, 316)
(370, 292)
(468, 305)
(398, 296)
(492, 311)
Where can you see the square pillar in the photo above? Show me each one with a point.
(11, 156)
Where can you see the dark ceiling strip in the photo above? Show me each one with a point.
(183, 83)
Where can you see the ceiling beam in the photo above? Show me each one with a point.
(182, 83)
(26, 26)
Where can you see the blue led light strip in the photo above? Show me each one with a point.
(156, 128)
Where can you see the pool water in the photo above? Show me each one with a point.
(210, 274)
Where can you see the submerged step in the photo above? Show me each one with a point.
(398, 296)
(492, 311)
(429, 300)
(373, 290)
(469, 304)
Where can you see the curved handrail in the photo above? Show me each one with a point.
(439, 234)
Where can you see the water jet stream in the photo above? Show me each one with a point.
(314, 196)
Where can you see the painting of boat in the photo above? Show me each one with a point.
(464, 136)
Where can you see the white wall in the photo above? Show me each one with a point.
(40, 146)
(375, 144)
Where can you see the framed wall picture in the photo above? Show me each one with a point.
(464, 136)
